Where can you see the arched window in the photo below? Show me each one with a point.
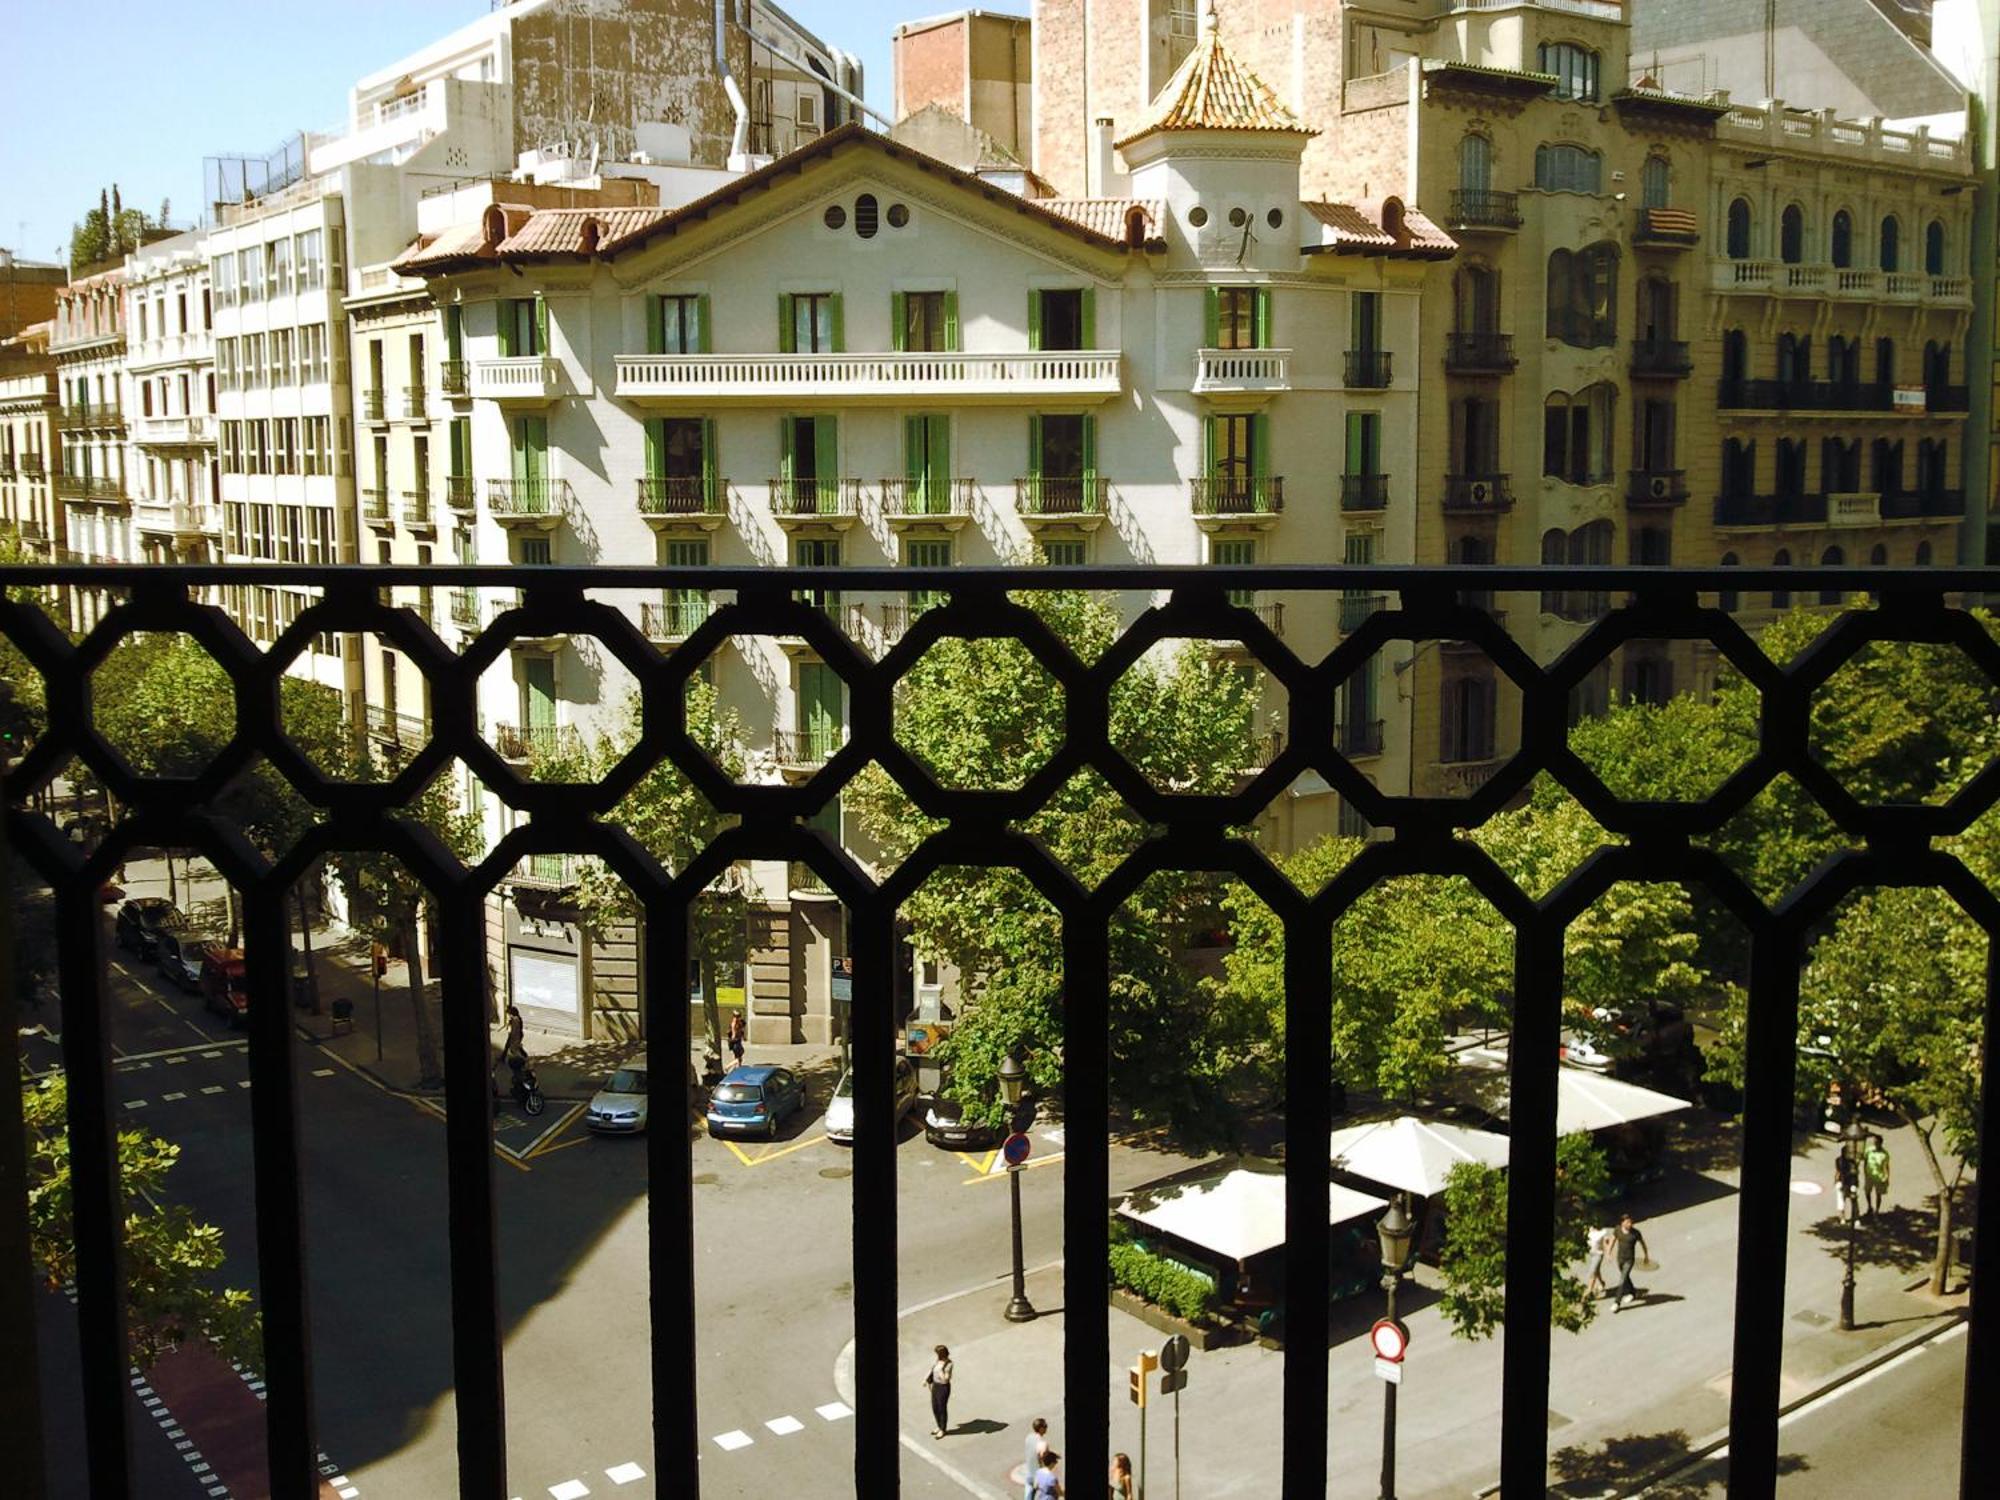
(1735, 356)
(1737, 235)
(1889, 256)
(1833, 557)
(1842, 242)
(1568, 169)
(1583, 296)
(1781, 598)
(1576, 434)
(1726, 598)
(1475, 163)
(1923, 554)
(1934, 248)
(1476, 299)
(1879, 556)
(1937, 371)
(1843, 362)
(1792, 235)
(1885, 362)
(1575, 69)
(1794, 359)
(1655, 183)
(1739, 467)
(1888, 465)
(1466, 730)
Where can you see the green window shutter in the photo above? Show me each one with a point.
(656, 325)
(454, 332)
(826, 453)
(700, 341)
(1090, 317)
(541, 326)
(899, 318)
(656, 447)
(1212, 318)
(1260, 318)
(1208, 447)
(914, 431)
(711, 492)
(1354, 447)
(506, 315)
(1035, 449)
(951, 320)
(461, 446)
(788, 338)
(1089, 448)
(839, 333)
(1034, 319)
(939, 475)
(1260, 455)
(788, 436)
(520, 437)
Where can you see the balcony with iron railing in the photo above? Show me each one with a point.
(832, 502)
(374, 406)
(908, 502)
(1927, 504)
(87, 415)
(667, 498)
(460, 494)
(465, 611)
(1485, 209)
(1479, 353)
(1358, 737)
(1364, 492)
(99, 487)
(806, 749)
(1367, 369)
(1237, 496)
(1356, 608)
(1044, 498)
(1649, 487)
(1478, 494)
(375, 508)
(416, 403)
(454, 378)
(1771, 510)
(897, 616)
(1662, 357)
(392, 728)
(418, 513)
(1666, 229)
(531, 742)
(33, 466)
(674, 619)
(531, 504)
(1022, 377)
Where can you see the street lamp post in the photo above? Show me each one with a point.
(1851, 1137)
(1394, 1230)
(1012, 1077)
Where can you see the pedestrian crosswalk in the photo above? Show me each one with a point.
(733, 1441)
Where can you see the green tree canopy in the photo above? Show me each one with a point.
(1474, 1261)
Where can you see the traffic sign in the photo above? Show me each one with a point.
(1173, 1380)
(1014, 1150)
(1174, 1353)
(1390, 1340)
(1390, 1370)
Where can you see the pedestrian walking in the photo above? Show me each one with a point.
(1047, 1485)
(939, 1380)
(1121, 1476)
(1599, 1243)
(1875, 1173)
(1037, 1448)
(1843, 1182)
(736, 1037)
(515, 1049)
(1631, 1247)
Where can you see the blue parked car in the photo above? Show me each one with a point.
(755, 1099)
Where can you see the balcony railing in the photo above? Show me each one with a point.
(1892, 844)
(679, 495)
(1358, 737)
(168, 431)
(1838, 395)
(806, 749)
(914, 499)
(32, 466)
(1479, 353)
(532, 379)
(897, 618)
(374, 406)
(1477, 494)
(1241, 371)
(90, 487)
(674, 619)
(455, 377)
(1666, 229)
(1920, 504)
(465, 611)
(418, 513)
(1656, 487)
(528, 742)
(806, 499)
(459, 493)
(1360, 492)
(90, 414)
(1484, 208)
(1021, 377)
(1367, 369)
(1770, 510)
(416, 402)
(397, 728)
(1356, 608)
(1670, 357)
(1047, 497)
(179, 520)
(1237, 495)
(375, 507)
(527, 499)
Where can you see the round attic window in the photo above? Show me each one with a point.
(1276, 218)
(1197, 216)
(899, 215)
(835, 216)
(1238, 218)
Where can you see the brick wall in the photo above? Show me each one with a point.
(929, 68)
(1061, 125)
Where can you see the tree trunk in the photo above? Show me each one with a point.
(305, 945)
(235, 914)
(429, 1067)
(1941, 1255)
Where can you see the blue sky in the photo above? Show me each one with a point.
(138, 94)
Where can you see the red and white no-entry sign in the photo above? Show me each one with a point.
(1390, 1338)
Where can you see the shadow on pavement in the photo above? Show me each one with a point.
(1623, 1463)
(1899, 1237)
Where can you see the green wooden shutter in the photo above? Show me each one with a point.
(1090, 317)
(1260, 456)
(520, 436)
(711, 492)
(951, 320)
(788, 436)
(461, 447)
(1034, 319)
(1208, 447)
(700, 341)
(538, 674)
(656, 325)
(1035, 459)
(938, 487)
(826, 454)
(541, 326)
(899, 321)
(1355, 457)
(839, 333)
(656, 447)
(505, 310)
(1089, 456)
(454, 332)
(788, 338)
(1260, 318)
(1212, 318)
(913, 449)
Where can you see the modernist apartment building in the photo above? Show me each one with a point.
(170, 370)
(860, 355)
(87, 340)
(29, 402)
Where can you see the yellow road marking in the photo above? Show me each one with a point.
(1046, 1161)
(541, 1151)
(981, 1165)
(770, 1153)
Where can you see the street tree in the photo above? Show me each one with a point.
(172, 1259)
(982, 713)
(1474, 1258)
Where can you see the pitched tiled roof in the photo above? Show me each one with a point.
(1211, 90)
(1379, 226)
(1106, 216)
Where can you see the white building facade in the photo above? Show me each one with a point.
(88, 342)
(170, 375)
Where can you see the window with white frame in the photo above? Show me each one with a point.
(1575, 68)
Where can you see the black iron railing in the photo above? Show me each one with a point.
(1479, 353)
(1894, 844)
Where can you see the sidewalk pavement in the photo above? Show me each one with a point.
(1629, 1394)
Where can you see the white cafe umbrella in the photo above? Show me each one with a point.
(1589, 1101)
(1411, 1154)
(1236, 1214)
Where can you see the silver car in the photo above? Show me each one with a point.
(619, 1108)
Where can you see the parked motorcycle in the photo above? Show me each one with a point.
(527, 1093)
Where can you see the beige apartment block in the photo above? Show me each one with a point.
(973, 64)
(863, 356)
(29, 403)
(87, 340)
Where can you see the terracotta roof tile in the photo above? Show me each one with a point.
(1385, 226)
(1211, 90)
(1106, 216)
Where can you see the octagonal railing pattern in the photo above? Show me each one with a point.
(1895, 845)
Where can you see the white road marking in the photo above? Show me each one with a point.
(211, 1054)
(569, 1489)
(243, 1083)
(166, 1097)
(325, 1072)
(729, 1442)
(785, 1426)
(213, 1088)
(625, 1474)
(833, 1411)
(135, 1103)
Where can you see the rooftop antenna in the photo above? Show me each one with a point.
(1770, 49)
